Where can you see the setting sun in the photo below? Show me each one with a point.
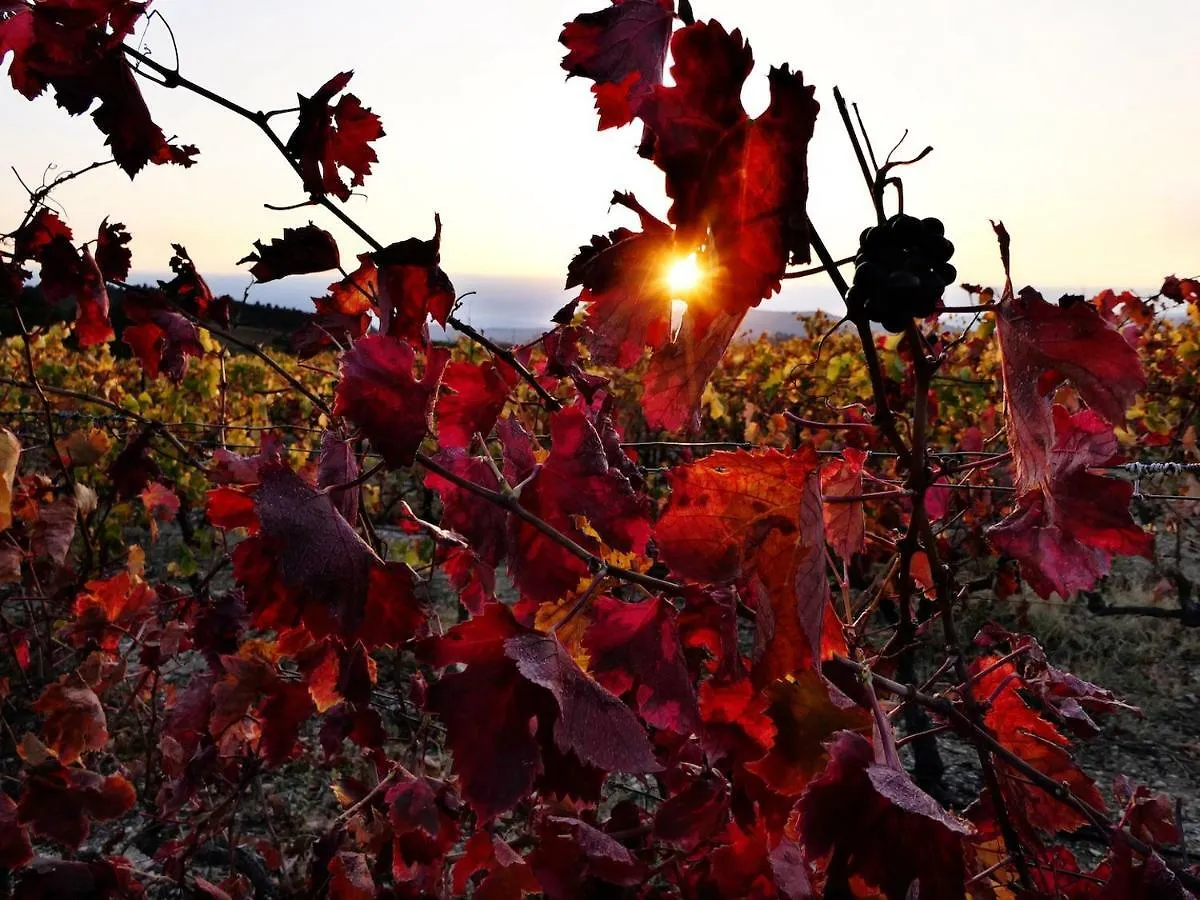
(684, 276)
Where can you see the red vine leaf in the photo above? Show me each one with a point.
(60, 803)
(1066, 531)
(97, 879)
(572, 855)
(381, 393)
(252, 686)
(1137, 878)
(695, 814)
(756, 519)
(506, 874)
(68, 275)
(481, 522)
(871, 821)
(488, 710)
(623, 49)
(74, 46)
(15, 847)
(46, 227)
(1149, 815)
(1042, 346)
(845, 523)
(306, 564)
(1038, 743)
(674, 382)
(189, 290)
(337, 465)
(412, 286)
(806, 717)
(634, 647)
(75, 721)
(330, 137)
(625, 285)
(473, 397)
(745, 180)
(343, 315)
(577, 480)
(113, 255)
(593, 724)
(161, 339)
(299, 252)
(424, 831)
(737, 728)
(350, 877)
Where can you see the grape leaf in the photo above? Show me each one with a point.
(806, 716)
(133, 468)
(1134, 878)
(507, 875)
(757, 193)
(31, 241)
(1033, 739)
(576, 480)
(876, 824)
(1043, 345)
(1066, 530)
(423, 831)
(845, 523)
(10, 456)
(330, 137)
(343, 315)
(379, 391)
(572, 855)
(746, 180)
(338, 465)
(75, 721)
(60, 802)
(736, 728)
(753, 863)
(592, 723)
(46, 878)
(674, 382)
(305, 563)
(281, 707)
(695, 814)
(161, 339)
(481, 522)
(68, 275)
(189, 290)
(691, 117)
(412, 286)
(350, 877)
(74, 46)
(625, 287)
(487, 710)
(1149, 815)
(755, 518)
(113, 255)
(634, 647)
(15, 847)
(299, 252)
(623, 49)
(473, 397)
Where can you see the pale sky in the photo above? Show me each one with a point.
(1074, 122)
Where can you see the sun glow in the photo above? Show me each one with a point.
(684, 276)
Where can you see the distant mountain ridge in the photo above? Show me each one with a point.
(509, 310)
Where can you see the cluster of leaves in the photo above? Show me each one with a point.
(649, 690)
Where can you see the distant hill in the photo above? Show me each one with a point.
(260, 322)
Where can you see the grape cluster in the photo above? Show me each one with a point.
(901, 269)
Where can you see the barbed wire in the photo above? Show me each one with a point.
(1138, 470)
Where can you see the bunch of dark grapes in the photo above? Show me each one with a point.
(901, 269)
